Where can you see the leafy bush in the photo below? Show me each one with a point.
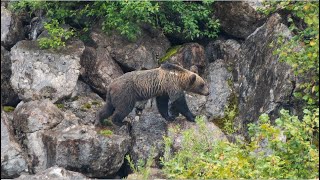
(190, 19)
(142, 168)
(294, 157)
(57, 36)
(302, 50)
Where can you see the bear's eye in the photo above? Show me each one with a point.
(201, 86)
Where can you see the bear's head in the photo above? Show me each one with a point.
(197, 85)
(190, 81)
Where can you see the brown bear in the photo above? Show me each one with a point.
(169, 81)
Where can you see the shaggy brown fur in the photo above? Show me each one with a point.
(169, 81)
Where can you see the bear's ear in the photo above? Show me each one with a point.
(192, 78)
(194, 69)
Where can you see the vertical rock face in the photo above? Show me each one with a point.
(220, 90)
(82, 149)
(99, 69)
(31, 120)
(227, 50)
(8, 96)
(237, 18)
(142, 54)
(265, 84)
(13, 161)
(11, 28)
(38, 74)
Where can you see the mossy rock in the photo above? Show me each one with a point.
(8, 108)
(106, 122)
(170, 52)
(86, 106)
(106, 132)
(60, 106)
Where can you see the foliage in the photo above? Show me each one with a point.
(226, 124)
(294, 157)
(57, 36)
(142, 168)
(106, 132)
(60, 106)
(302, 50)
(190, 19)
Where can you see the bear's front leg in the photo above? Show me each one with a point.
(162, 105)
(181, 105)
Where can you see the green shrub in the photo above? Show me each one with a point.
(190, 19)
(294, 157)
(57, 36)
(302, 50)
(142, 168)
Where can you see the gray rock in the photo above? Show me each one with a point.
(220, 90)
(196, 103)
(38, 74)
(147, 134)
(11, 28)
(36, 27)
(99, 69)
(30, 121)
(222, 49)
(54, 173)
(265, 84)
(81, 89)
(142, 54)
(82, 149)
(8, 96)
(85, 107)
(13, 160)
(237, 18)
(176, 128)
(190, 54)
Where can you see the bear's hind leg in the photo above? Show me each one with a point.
(119, 115)
(105, 112)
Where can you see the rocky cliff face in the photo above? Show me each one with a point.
(60, 92)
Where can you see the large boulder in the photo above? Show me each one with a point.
(99, 69)
(147, 133)
(54, 173)
(13, 160)
(31, 120)
(144, 53)
(83, 149)
(38, 73)
(176, 129)
(188, 55)
(11, 28)
(8, 96)
(237, 18)
(265, 84)
(219, 79)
